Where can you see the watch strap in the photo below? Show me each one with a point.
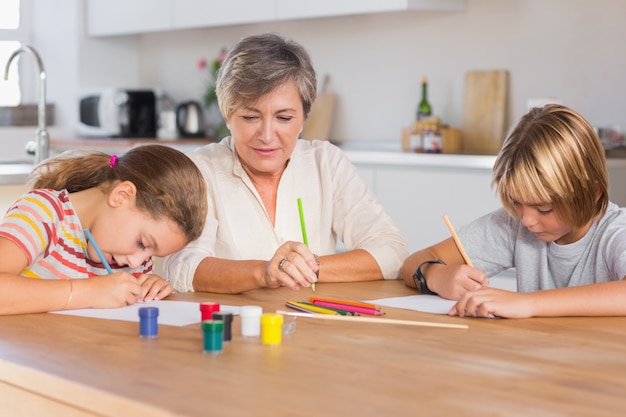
(420, 280)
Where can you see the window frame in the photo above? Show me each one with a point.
(22, 34)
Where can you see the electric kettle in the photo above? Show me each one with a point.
(189, 120)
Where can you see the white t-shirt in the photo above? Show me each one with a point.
(337, 204)
(497, 241)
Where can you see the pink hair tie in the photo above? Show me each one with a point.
(113, 160)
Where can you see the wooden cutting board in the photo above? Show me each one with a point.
(320, 120)
(484, 111)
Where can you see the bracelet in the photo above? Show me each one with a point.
(69, 299)
(420, 280)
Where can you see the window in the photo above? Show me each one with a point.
(11, 35)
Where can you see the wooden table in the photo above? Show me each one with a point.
(56, 365)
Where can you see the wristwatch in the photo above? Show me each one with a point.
(420, 280)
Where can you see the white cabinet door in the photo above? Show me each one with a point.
(416, 198)
(123, 17)
(205, 13)
(8, 195)
(299, 9)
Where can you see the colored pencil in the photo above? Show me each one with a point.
(373, 320)
(354, 309)
(303, 226)
(98, 251)
(345, 302)
(337, 308)
(458, 242)
(310, 308)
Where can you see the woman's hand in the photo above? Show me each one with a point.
(153, 287)
(486, 302)
(293, 265)
(454, 281)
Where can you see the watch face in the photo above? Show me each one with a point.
(418, 283)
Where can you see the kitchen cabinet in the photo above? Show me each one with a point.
(290, 9)
(123, 17)
(417, 197)
(188, 14)
(416, 190)
(8, 195)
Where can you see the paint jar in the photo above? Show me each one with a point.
(289, 324)
(271, 328)
(213, 334)
(207, 310)
(148, 326)
(227, 318)
(251, 321)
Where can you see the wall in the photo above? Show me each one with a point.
(72, 62)
(564, 48)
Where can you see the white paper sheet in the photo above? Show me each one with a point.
(173, 313)
(437, 305)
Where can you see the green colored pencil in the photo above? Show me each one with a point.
(303, 226)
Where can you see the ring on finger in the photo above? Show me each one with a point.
(281, 264)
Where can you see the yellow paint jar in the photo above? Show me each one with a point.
(271, 328)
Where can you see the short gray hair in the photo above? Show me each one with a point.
(259, 64)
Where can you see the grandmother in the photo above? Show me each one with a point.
(253, 236)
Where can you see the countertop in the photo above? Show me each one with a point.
(17, 172)
(572, 366)
(391, 153)
(387, 153)
(14, 173)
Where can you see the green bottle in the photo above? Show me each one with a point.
(423, 108)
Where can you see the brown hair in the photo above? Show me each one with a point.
(554, 155)
(258, 65)
(169, 185)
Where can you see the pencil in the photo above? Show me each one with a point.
(310, 308)
(458, 242)
(373, 320)
(339, 309)
(98, 251)
(344, 302)
(303, 226)
(353, 309)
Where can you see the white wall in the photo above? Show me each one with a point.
(565, 48)
(72, 62)
(570, 49)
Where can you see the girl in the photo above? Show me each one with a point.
(558, 229)
(149, 202)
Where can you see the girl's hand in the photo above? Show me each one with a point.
(153, 287)
(454, 281)
(293, 265)
(109, 291)
(486, 302)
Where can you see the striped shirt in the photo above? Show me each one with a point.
(44, 225)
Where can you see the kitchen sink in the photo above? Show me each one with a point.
(13, 172)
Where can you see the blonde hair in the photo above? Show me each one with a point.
(169, 184)
(553, 155)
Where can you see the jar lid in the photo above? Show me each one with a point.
(213, 326)
(209, 307)
(225, 316)
(148, 312)
(251, 311)
(272, 318)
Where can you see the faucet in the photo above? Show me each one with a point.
(42, 145)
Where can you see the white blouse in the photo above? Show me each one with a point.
(337, 205)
